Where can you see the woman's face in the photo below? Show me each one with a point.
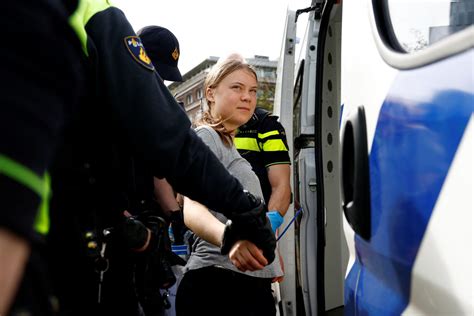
(234, 99)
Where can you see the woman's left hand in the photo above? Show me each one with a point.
(244, 255)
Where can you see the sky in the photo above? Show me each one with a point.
(216, 27)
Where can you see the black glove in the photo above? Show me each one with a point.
(131, 233)
(156, 265)
(153, 267)
(253, 226)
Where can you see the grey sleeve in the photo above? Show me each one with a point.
(211, 139)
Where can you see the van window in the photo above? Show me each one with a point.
(420, 23)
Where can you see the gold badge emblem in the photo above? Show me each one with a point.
(144, 57)
(175, 54)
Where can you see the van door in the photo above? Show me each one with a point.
(408, 94)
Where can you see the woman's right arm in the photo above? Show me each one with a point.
(202, 222)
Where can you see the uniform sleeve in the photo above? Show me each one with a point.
(272, 142)
(157, 128)
(41, 87)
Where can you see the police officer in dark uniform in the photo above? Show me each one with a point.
(150, 198)
(40, 63)
(262, 142)
(126, 112)
(162, 47)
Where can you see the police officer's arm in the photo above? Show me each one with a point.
(154, 124)
(165, 196)
(279, 178)
(41, 88)
(244, 254)
(277, 161)
(14, 252)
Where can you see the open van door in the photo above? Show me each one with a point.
(394, 169)
(282, 107)
(308, 107)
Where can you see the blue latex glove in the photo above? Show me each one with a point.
(275, 219)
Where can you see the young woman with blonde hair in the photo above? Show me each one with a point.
(214, 284)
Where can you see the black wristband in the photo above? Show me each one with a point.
(228, 238)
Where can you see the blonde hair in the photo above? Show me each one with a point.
(218, 72)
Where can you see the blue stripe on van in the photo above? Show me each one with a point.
(419, 128)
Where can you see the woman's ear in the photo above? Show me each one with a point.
(210, 94)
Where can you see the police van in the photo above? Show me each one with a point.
(377, 100)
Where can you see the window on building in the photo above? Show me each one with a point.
(199, 94)
(269, 72)
(189, 99)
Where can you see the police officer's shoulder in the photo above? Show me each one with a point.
(269, 122)
(257, 121)
(262, 113)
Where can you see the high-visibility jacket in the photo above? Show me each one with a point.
(262, 141)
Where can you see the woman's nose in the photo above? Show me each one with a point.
(246, 96)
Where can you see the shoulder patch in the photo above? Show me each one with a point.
(136, 49)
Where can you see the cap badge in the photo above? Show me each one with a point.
(175, 53)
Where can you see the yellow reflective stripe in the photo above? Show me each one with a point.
(267, 134)
(42, 217)
(21, 174)
(28, 178)
(274, 145)
(86, 9)
(246, 143)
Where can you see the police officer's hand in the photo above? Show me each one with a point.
(132, 233)
(275, 219)
(252, 225)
